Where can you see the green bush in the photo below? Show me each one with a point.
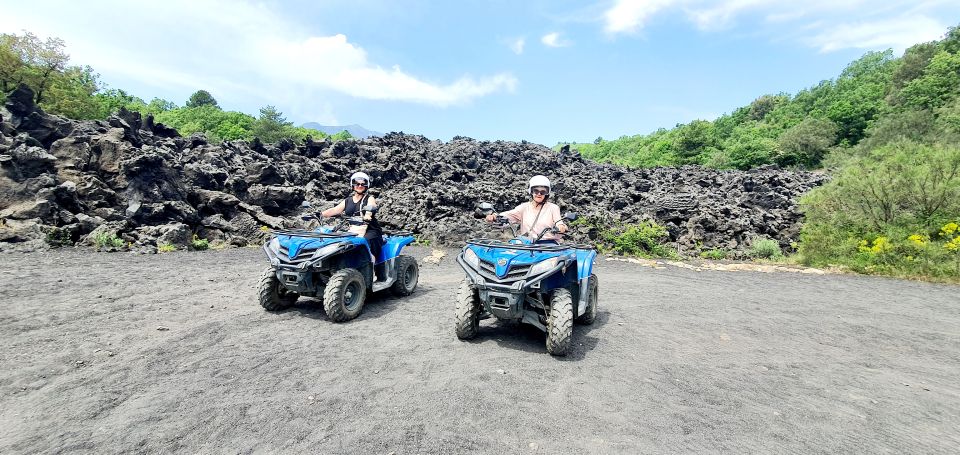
(419, 240)
(57, 237)
(166, 248)
(199, 244)
(715, 254)
(107, 240)
(889, 211)
(765, 249)
(643, 239)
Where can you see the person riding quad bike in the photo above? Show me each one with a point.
(353, 205)
(538, 214)
(531, 279)
(337, 262)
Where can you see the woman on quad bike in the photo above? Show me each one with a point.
(353, 206)
(538, 214)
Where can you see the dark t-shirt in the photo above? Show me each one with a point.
(351, 208)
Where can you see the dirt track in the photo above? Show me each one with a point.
(105, 353)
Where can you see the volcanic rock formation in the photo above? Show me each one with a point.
(130, 179)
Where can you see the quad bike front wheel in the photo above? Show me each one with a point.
(467, 318)
(590, 314)
(560, 322)
(273, 296)
(408, 273)
(344, 295)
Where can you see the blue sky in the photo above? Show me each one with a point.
(544, 71)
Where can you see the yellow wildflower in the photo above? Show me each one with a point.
(953, 245)
(948, 229)
(880, 245)
(918, 239)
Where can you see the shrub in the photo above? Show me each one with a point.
(199, 244)
(715, 254)
(57, 237)
(107, 240)
(166, 248)
(421, 241)
(765, 249)
(643, 239)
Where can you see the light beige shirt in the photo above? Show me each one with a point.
(530, 224)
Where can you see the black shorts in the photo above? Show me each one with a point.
(375, 240)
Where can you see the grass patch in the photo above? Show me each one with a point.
(105, 240)
(645, 239)
(57, 237)
(199, 244)
(765, 249)
(715, 254)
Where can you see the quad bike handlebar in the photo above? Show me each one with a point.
(503, 222)
(342, 219)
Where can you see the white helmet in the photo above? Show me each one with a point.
(360, 176)
(538, 180)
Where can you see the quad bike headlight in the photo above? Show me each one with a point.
(471, 257)
(327, 250)
(543, 266)
(274, 245)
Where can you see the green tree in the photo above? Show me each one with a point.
(806, 143)
(29, 60)
(269, 127)
(764, 105)
(910, 67)
(202, 98)
(72, 94)
(696, 138)
(217, 124)
(939, 83)
(110, 101)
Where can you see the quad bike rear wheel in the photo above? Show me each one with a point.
(560, 322)
(273, 296)
(467, 318)
(344, 295)
(408, 273)
(590, 314)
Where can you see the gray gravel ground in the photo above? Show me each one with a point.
(105, 353)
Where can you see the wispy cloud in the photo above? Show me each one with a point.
(629, 16)
(270, 55)
(718, 15)
(517, 45)
(554, 40)
(828, 25)
(898, 34)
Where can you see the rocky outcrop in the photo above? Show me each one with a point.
(135, 180)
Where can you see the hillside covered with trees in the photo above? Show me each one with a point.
(875, 99)
(76, 92)
(887, 129)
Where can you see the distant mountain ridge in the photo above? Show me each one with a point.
(356, 131)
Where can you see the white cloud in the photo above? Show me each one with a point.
(517, 45)
(628, 16)
(553, 40)
(184, 43)
(898, 34)
(719, 15)
(829, 25)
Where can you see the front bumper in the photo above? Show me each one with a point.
(505, 300)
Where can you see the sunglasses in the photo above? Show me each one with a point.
(541, 192)
(363, 184)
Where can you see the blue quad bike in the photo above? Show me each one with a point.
(334, 264)
(547, 286)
